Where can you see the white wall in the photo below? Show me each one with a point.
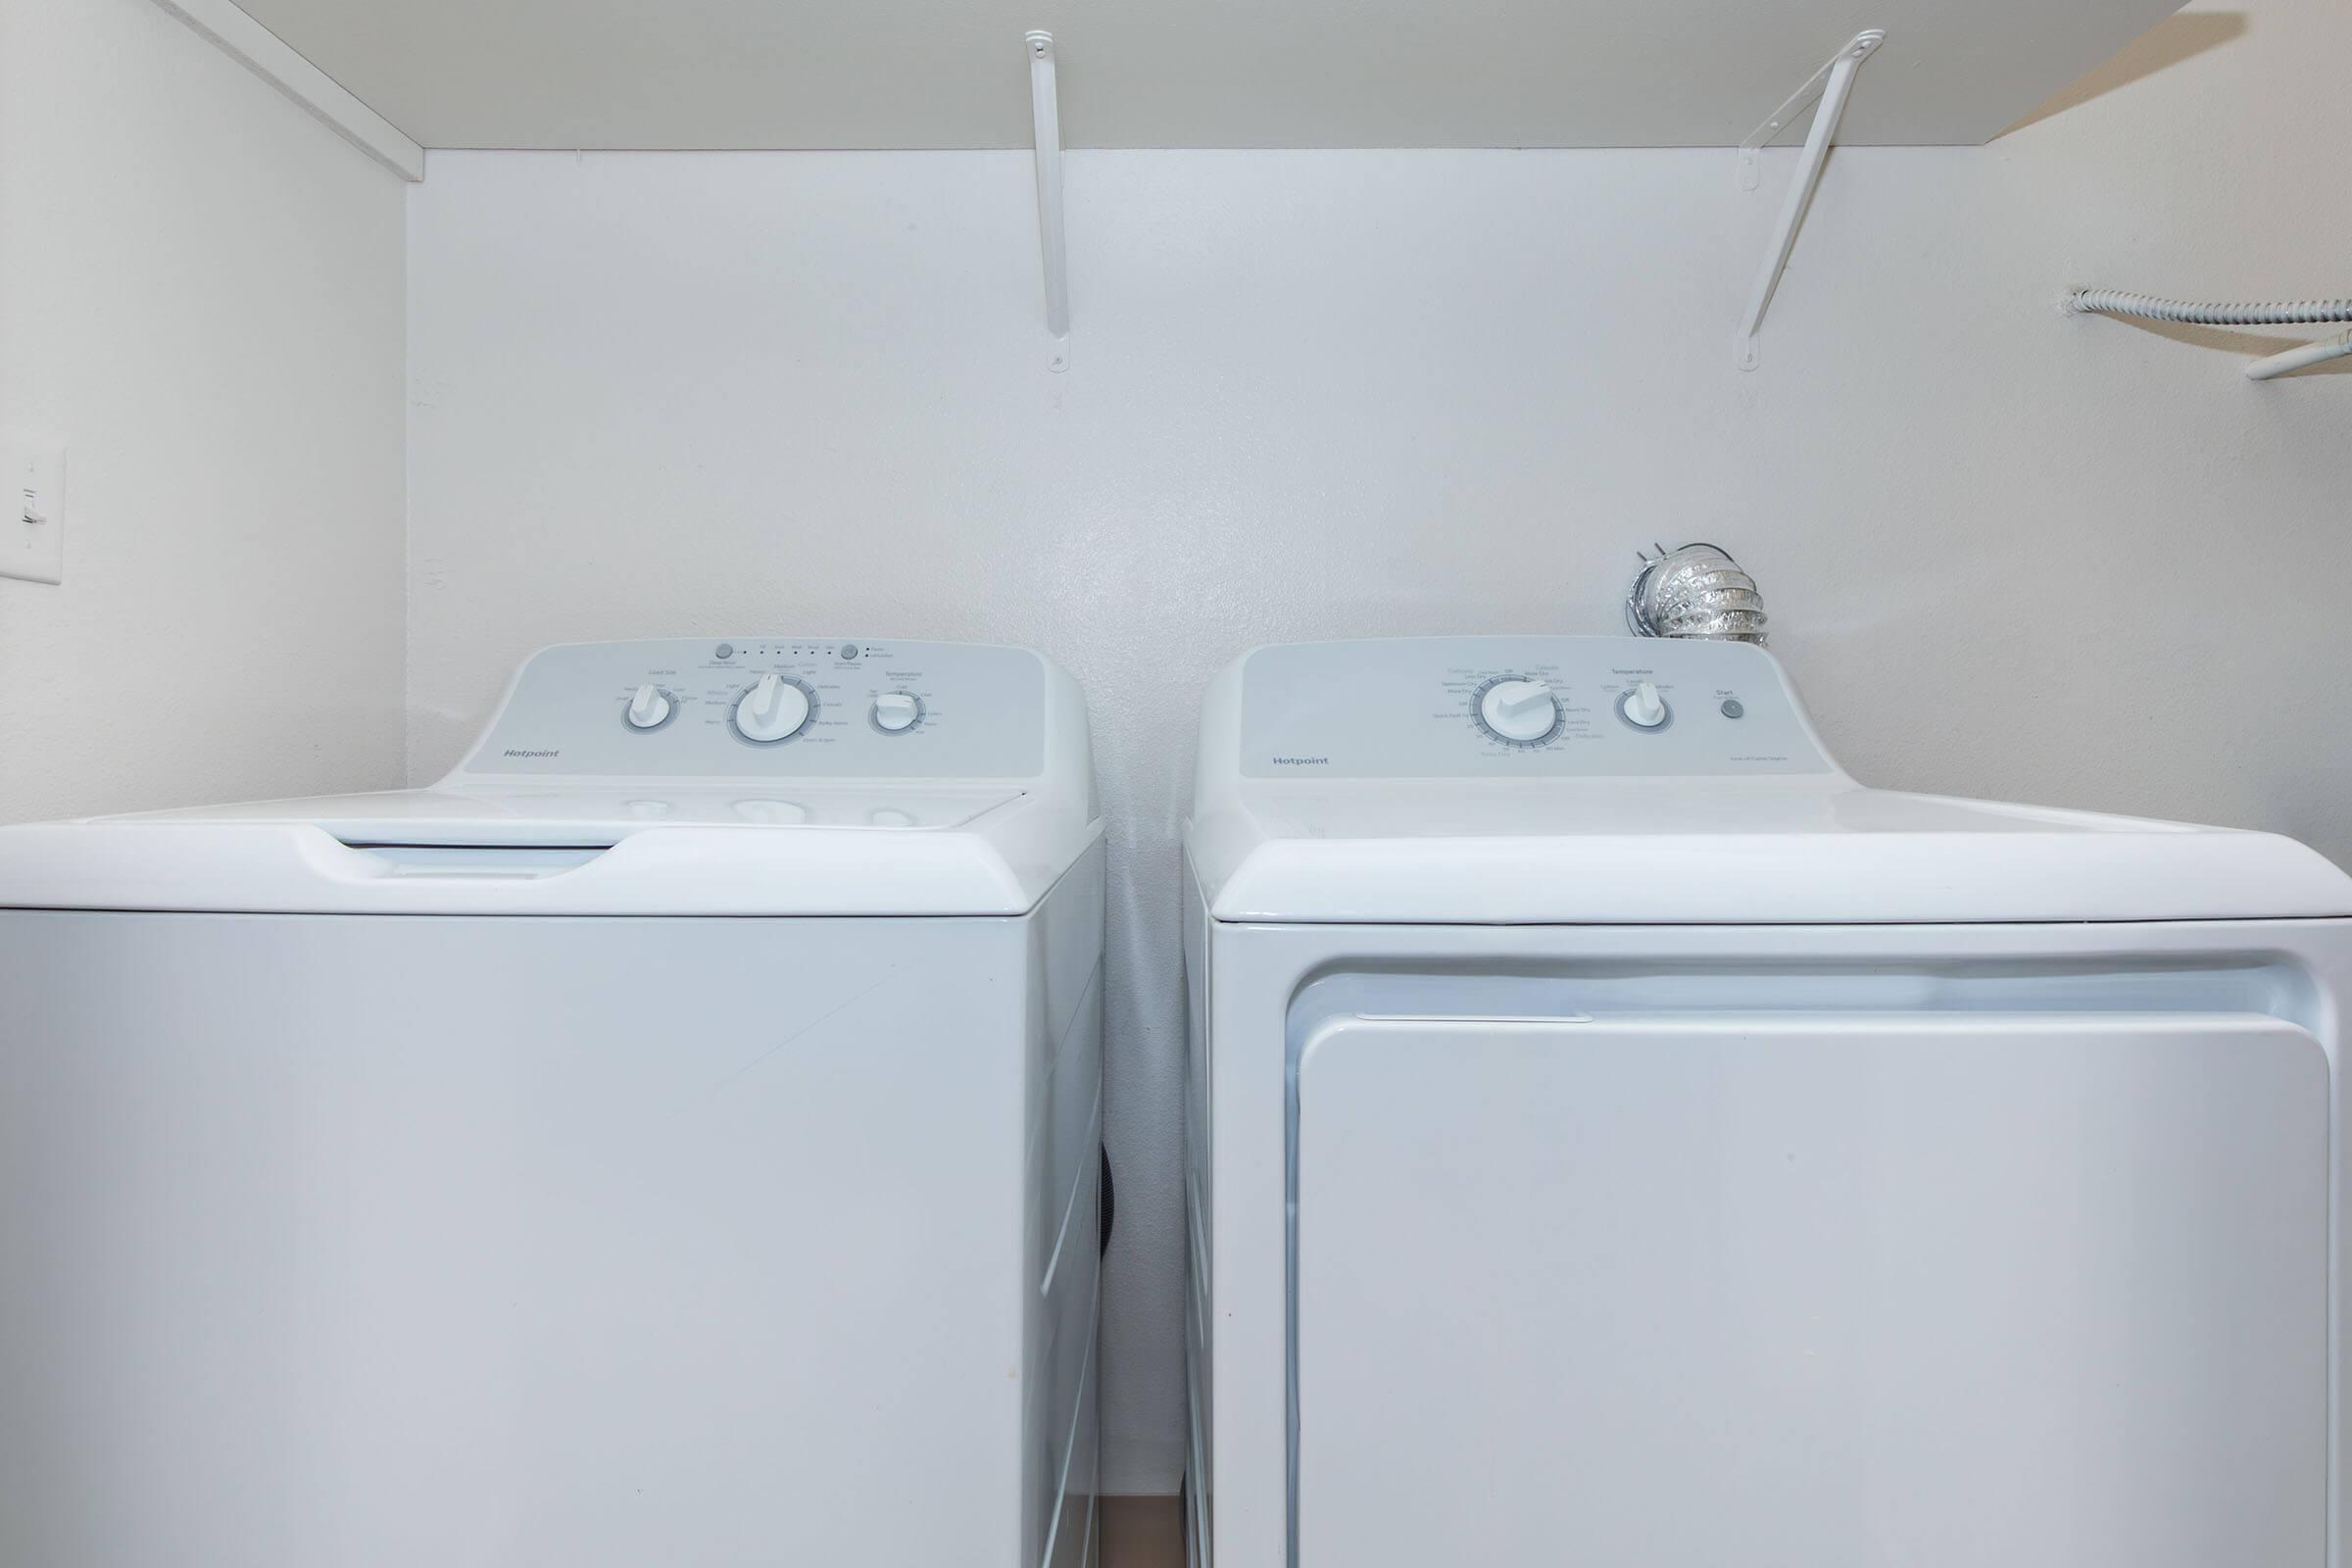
(1327, 394)
(201, 291)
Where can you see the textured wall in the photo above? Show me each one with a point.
(200, 290)
(1330, 394)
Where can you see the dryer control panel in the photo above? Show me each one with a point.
(772, 706)
(1520, 707)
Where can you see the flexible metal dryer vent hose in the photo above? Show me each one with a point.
(1696, 591)
(2114, 302)
(2150, 307)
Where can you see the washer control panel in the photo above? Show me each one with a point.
(1519, 708)
(793, 707)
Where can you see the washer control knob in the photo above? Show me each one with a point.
(1642, 706)
(896, 711)
(1519, 710)
(650, 709)
(774, 709)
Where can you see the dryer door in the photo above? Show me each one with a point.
(1823, 1290)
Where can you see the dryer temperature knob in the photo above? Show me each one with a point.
(1642, 706)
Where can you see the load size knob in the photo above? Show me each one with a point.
(1518, 711)
(649, 709)
(773, 709)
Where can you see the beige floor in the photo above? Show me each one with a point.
(1142, 1533)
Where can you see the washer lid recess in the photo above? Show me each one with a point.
(656, 850)
(1736, 852)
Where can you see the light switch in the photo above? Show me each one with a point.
(32, 527)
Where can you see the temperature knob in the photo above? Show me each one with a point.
(1519, 711)
(896, 711)
(1642, 706)
(650, 709)
(774, 709)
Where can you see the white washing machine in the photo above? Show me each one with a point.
(671, 1139)
(1617, 1137)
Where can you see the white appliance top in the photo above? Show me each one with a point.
(1627, 781)
(742, 775)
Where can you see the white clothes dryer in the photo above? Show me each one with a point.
(1618, 1137)
(672, 1137)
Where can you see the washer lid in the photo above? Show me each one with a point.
(758, 775)
(601, 815)
(1715, 851)
(656, 850)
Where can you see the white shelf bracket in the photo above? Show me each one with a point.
(1832, 84)
(1047, 110)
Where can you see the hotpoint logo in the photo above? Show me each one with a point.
(1301, 762)
(517, 752)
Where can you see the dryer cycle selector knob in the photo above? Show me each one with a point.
(1642, 706)
(895, 712)
(1519, 711)
(773, 710)
(650, 709)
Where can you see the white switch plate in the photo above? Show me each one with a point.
(32, 483)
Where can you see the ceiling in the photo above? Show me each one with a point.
(791, 73)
